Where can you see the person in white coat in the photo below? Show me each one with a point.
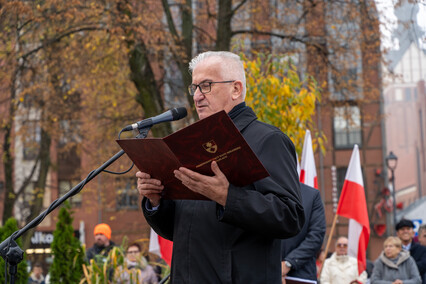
(340, 267)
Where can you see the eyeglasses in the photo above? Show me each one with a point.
(133, 252)
(205, 87)
(342, 245)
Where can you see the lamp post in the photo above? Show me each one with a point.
(391, 161)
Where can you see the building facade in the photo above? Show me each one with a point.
(405, 108)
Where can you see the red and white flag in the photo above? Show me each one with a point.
(308, 172)
(298, 166)
(352, 205)
(161, 247)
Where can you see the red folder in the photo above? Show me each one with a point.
(195, 147)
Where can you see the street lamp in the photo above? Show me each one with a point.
(391, 161)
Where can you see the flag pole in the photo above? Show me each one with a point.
(329, 241)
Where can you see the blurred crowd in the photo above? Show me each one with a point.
(403, 260)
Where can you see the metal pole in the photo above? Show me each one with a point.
(394, 200)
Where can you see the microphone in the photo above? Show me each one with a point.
(170, 115)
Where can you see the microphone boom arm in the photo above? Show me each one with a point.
(15, 256)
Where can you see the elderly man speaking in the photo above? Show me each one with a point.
(234, 236)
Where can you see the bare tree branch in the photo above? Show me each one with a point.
(59, 38)
(238, 6)
(29, 177)
(170, 22)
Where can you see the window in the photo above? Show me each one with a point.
(31, 139)
(28, 101)
(29, 194)
(26, 200)
(340, 180)
(67, 185)
(407, 93)
(345, 84)
(70, 132)
(127, 194)
(347, 126)
(399, 97)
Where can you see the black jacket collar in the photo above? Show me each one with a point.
(242, 116)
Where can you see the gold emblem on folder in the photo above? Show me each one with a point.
(210, 146)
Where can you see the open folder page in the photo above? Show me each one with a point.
(195, 147)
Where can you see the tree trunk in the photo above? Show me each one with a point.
(149, 95)
(8, 160)
(40, 186)
(9, 195)
(184, 45)
(224, 31)
(187, 33)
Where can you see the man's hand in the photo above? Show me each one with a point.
(284, 268)
(213, 187)
(149, 188)
(397, 281)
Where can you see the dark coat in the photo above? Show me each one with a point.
(238, 243)
(302, 249)
(418, 252)
(97, 250)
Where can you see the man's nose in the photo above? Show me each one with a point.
(198, 95)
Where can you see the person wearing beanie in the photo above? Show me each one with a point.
(103, 243)
(405, 231)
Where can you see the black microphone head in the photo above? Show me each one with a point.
(179, 113)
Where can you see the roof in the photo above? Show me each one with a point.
(416, 210)
(407, 33)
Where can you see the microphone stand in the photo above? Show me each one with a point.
(9, 249)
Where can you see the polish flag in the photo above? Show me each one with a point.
(161, 247)
(352, 205)
(308, 173)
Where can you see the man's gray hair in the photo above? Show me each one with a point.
(421, 228)
(234, 65)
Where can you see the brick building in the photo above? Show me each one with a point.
(342, 40)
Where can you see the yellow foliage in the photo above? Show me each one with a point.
(281, 98)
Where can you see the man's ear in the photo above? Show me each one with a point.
(237, 91)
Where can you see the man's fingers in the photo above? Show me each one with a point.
(185, 175)
(149, 192)
(216, 170)
(184, 172)
(144, 178)
(142, 175)
(150, 185)
(147, 186)
(154, 182)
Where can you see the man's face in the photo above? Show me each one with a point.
(406, 234)
(422, 237)
(342, 246)
(101, 240)
(38, 271)
(220, 96)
